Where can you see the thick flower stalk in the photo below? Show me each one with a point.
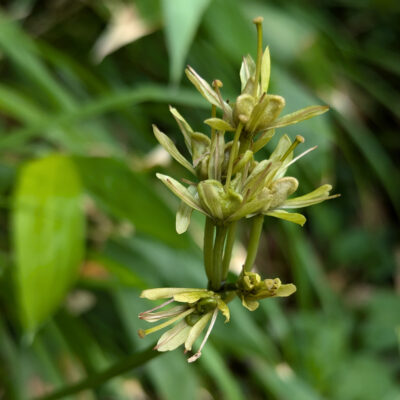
(229, 185)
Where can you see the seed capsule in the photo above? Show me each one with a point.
(191, 319)
(206, 305)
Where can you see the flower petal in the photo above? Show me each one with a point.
(165, 293)
(316, 196)
(185, 128)
(298, 116)
(202, 86)
(180, 190)
(251, 305)
(223, 307)
(285, 290)
(169, 145)
(292, 217)
(265, 70)
(247, 70)
(183, 217)
(196, 330)
(219, 124)
(173, 338)
(192, 296)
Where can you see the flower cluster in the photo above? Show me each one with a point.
(229, 184)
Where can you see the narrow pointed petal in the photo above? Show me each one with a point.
(292, 217)
(264, 138)
(173, 338)
(265, 70)
(247, 70)
(180, 190)
(219, 124)
(202, 86)
(196, 330)
(298, 116)
(169, 145)
(316, 196)
(165, 293)
(156, 316)
(185, 128)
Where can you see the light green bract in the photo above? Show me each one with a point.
(228, 184)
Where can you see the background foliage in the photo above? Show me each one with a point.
(81, 212)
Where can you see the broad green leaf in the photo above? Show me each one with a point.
(169, 145)
(48, 236)
(127, 195)
(181, 19)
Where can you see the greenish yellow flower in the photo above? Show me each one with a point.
(197, 308)
(251, 289)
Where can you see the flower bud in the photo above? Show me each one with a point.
(244, 106)
(216, 201)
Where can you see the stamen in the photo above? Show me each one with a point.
(217, 84)
(156, 308)
(301, 155)
(156, 316)
(258, 22)
(210, 327)
(299, 139)
(142, 333)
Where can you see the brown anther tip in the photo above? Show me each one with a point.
(243, 119)
(217, 83)
(258, 20)
(141, 333)
(300, 139)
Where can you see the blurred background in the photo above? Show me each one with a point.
(85, 226)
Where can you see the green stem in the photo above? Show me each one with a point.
(232, 154)
(125, 365)
(230, 240)
(254, 240)
(208, 247)
(216, 276)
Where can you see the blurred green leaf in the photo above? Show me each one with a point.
(181, 19)
(48, 236)
(127, 195)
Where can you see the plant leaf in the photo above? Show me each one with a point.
(48, 236)
(169, 145)
(181, 18)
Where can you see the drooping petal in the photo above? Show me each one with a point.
(298, 116)
(185, 128)
(223, 307)
(292, 217)
(265, 70)
(182, 192)
(316, 196)
(196, 330)
(173, 338)
(165, 293)
(250, 304)
(169, 145)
